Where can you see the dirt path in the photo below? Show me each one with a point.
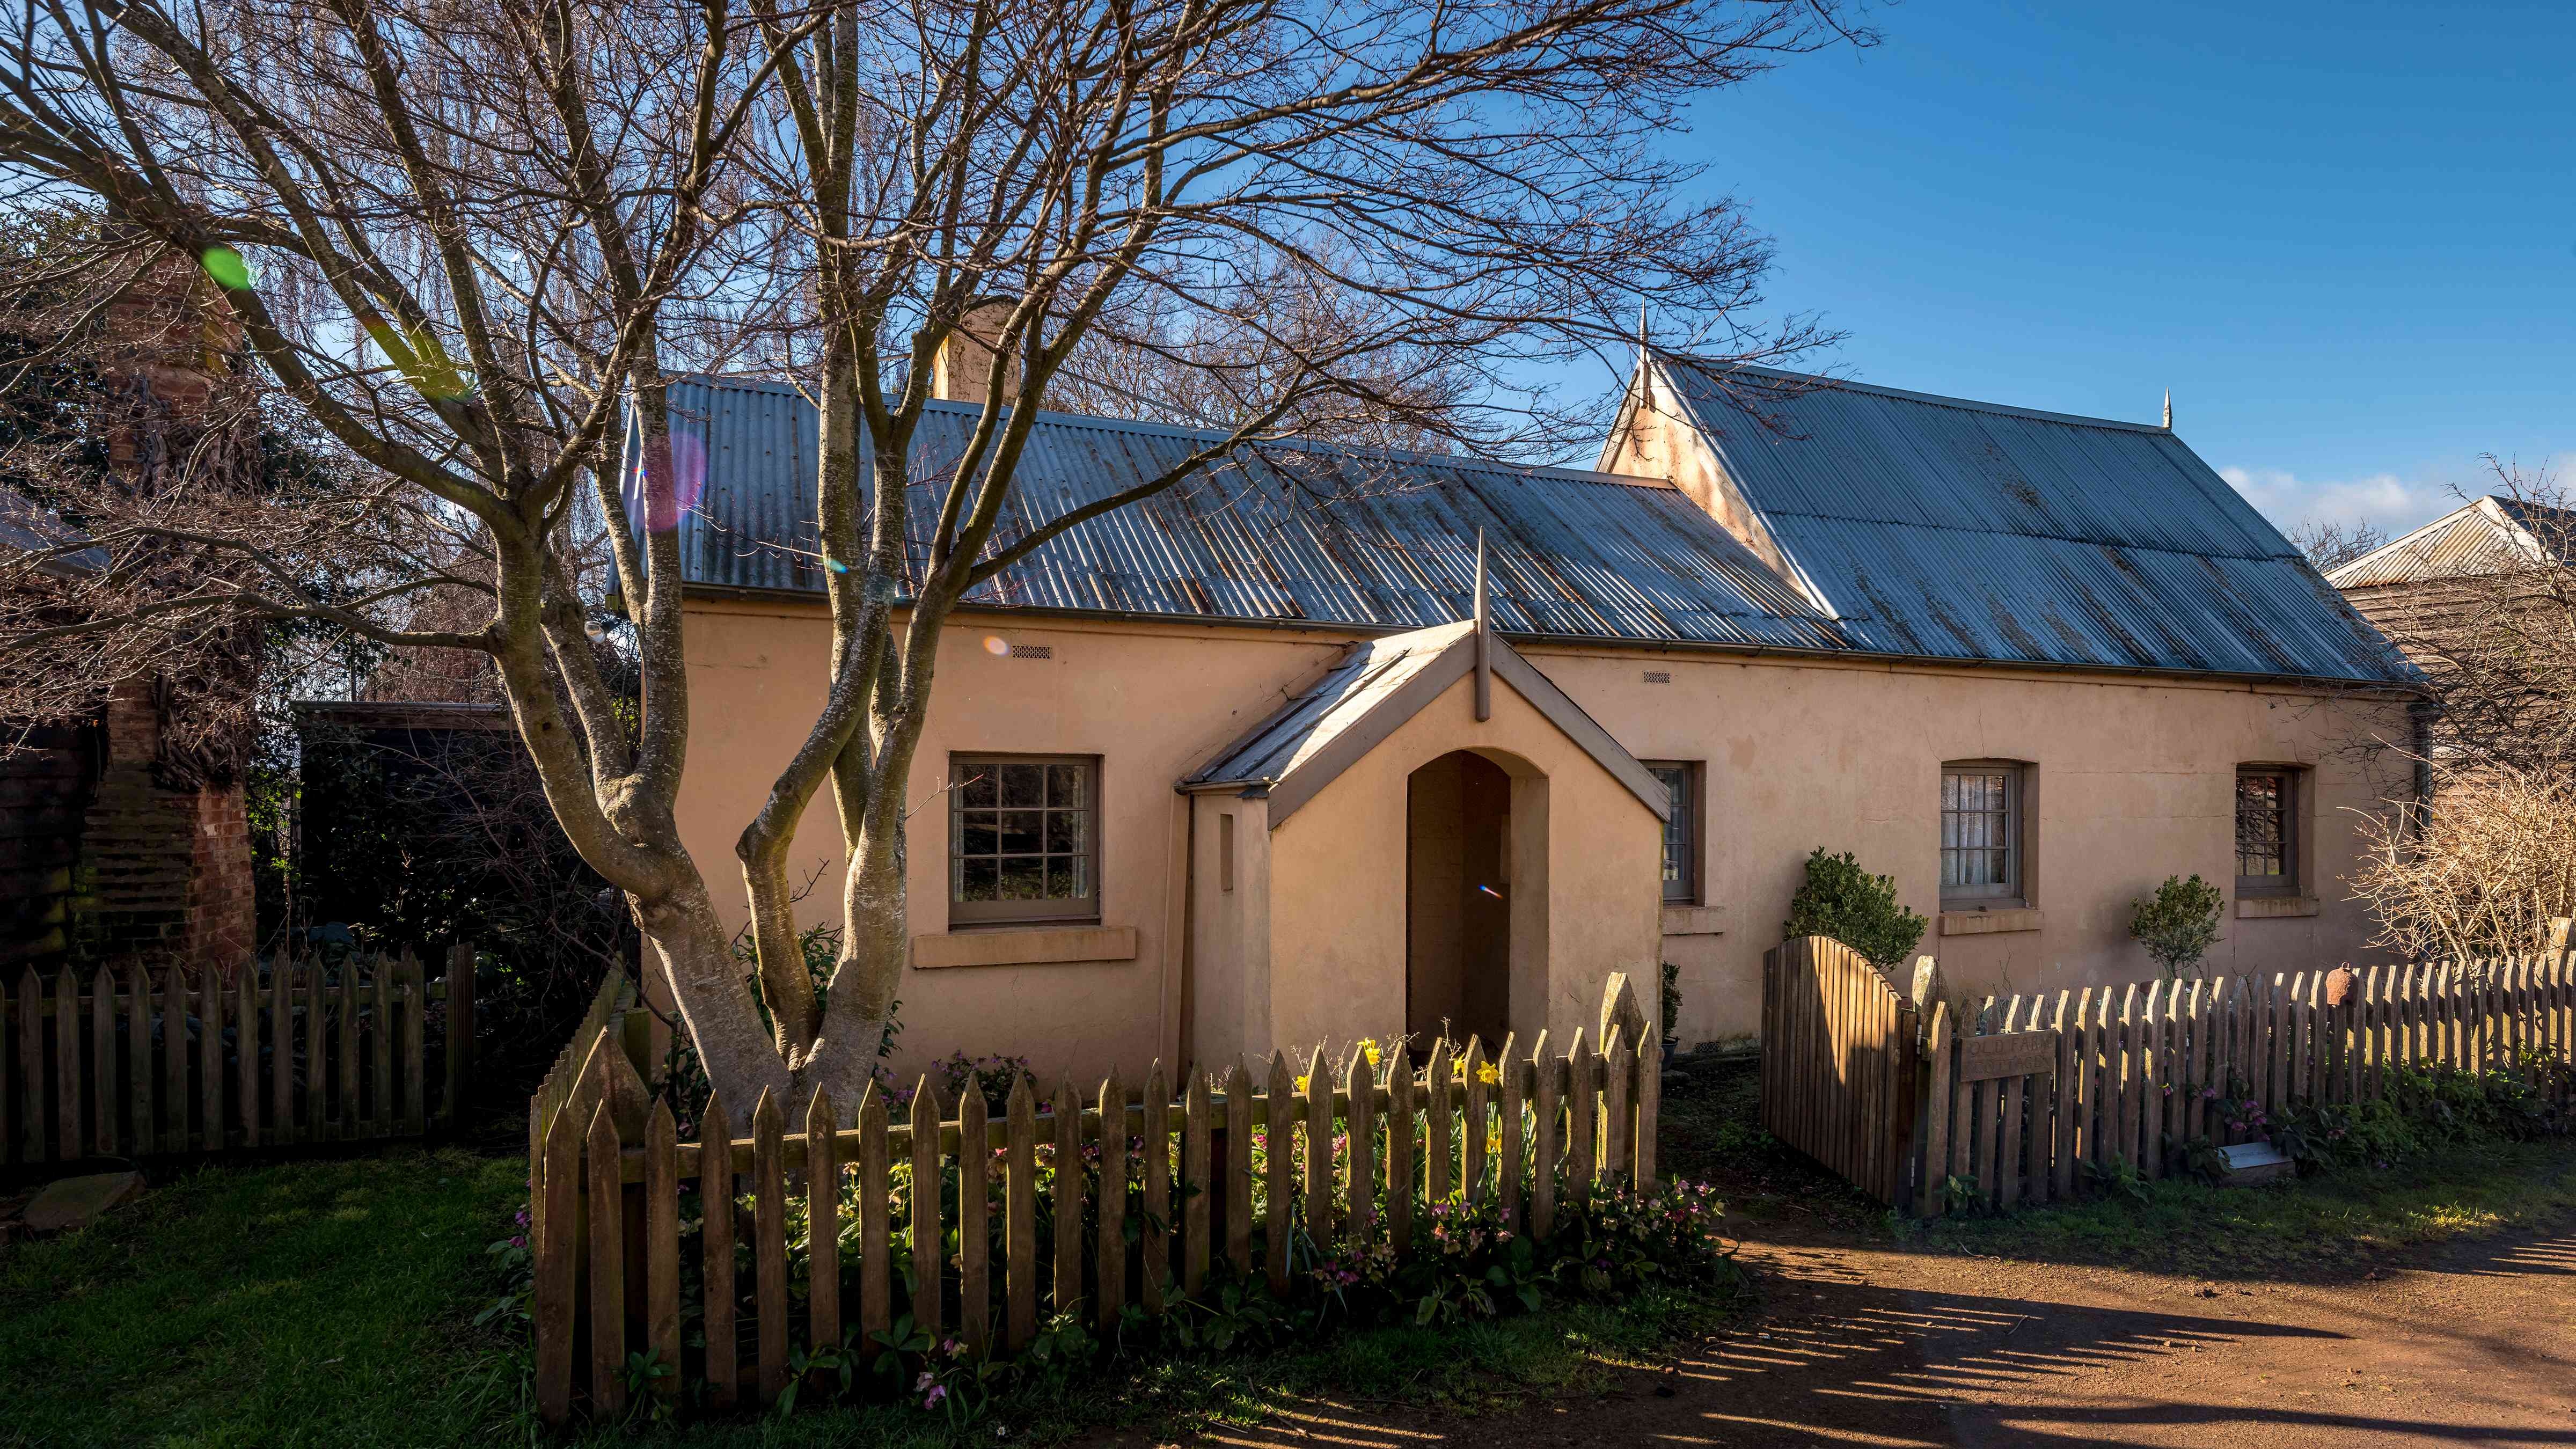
(1871, 1345)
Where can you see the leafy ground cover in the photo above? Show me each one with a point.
(2321, 1225)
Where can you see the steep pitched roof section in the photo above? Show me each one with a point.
(2490, 536)
(1380, 684)
(1280, 533)
(1952, 529)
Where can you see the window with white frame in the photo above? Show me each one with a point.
(1982, 832)
(1023, 838)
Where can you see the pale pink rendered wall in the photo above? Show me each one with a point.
(1337, 942)
(1153, 702)
(2134, 780)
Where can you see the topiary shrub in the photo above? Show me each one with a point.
(1847, 903)
(2178, 924)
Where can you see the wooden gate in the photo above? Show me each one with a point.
(1840, 1064)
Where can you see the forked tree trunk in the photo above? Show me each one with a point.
(714, 1001)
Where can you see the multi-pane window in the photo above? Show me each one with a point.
(1981, 832)
(2266, 832)
(1681, 830)
(1023, 837)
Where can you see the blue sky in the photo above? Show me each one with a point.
(2343, 234)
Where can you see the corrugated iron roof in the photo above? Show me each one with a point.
(1284, 532)
(1954, 529)
(2492, 535)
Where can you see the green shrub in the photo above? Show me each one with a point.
(2423, 1106)
(2179, 923)
(1847, 903)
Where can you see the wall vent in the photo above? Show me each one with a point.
(1032, 651)
(1658, 676)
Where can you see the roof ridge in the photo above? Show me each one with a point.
(1149, 428)
(1823, 382)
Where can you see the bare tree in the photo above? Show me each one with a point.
(2483, 862)
(1349, 217)
(2331, 543)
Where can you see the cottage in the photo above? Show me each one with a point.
(2420, 586)
(1279, 756)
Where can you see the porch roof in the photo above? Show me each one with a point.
(1291, 756)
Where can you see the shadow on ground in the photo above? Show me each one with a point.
(1864, 1347)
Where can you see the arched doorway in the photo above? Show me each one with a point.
(1458, 898)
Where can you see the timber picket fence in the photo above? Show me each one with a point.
(1289, 1151)
(140, 1062)
(1839, 1063)
(2026, 1093)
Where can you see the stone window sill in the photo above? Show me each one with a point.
(2273, 908)
(1694, 920)
(1989, 922)
(1024, 946)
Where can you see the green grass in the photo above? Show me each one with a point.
(315, 1302)
(331, 1302)
(2315, 1226)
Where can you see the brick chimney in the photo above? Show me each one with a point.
(966, 359)
(170, 347)
(165, 860)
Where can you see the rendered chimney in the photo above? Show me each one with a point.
(966, 359)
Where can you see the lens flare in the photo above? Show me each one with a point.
(227, 268)
(666, 481)
(996, 645)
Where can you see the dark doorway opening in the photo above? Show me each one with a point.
(1457, 899)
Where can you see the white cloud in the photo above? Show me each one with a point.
(2391, 503)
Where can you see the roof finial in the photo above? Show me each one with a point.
(1480, 614)
(2168, 410)
(1484, 637)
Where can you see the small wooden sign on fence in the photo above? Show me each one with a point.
(2017, 1054)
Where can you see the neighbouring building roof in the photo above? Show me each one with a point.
(28, 525)
(1279, 533)
(2490, 536)
(1380, 684)
(1941, 527)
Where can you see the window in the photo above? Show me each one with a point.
(1981, 832)
(1023, 838)
(1681, 830)
(2267, 832)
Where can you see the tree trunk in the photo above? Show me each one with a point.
(716, 1003)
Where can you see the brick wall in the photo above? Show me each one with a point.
(164, 873)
